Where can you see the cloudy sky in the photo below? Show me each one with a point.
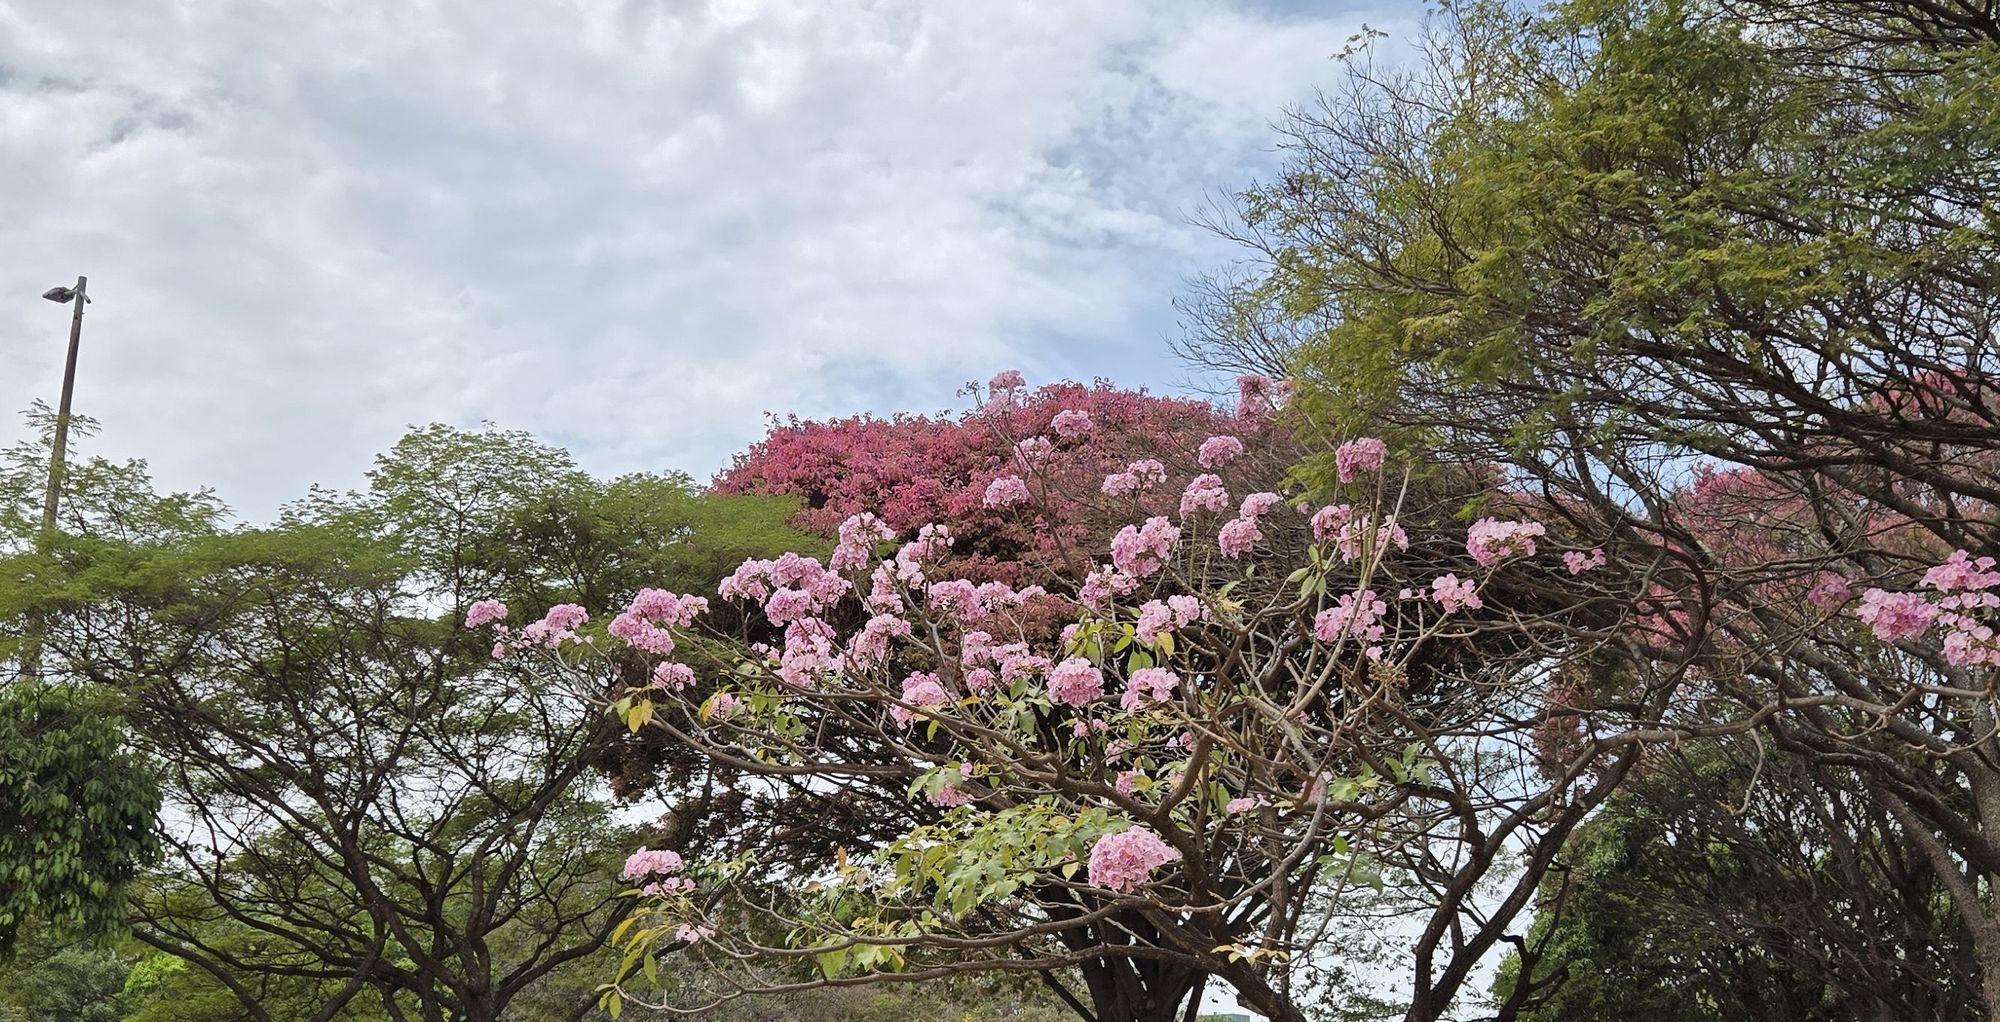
(633, 228)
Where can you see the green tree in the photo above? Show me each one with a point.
(1710, 283)
(360, 805)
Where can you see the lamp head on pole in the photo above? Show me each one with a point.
(61, 295)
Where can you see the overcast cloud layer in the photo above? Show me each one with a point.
(632, 229)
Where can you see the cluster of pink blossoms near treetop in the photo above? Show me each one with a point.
(1966, 585)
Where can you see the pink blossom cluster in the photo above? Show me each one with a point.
(556, 627)
(1454, 594)
(970, 602)
(1364, 454)
(1123, 861)
(644, 622)
(1962, 612)
(920, 689)
(1157, 618)
(485, 612)
(1217, 451)
(1071, 423)
(1139, 475)
(1240, 535)
(1960, 573)
(650, 862)
(1075, 682)
(1204, 493)
(1006, 381)
(1578, 562)
(1242, 805)
(870, 646)
(1148, 685)
(1895, 616)
(1340, 524)
(672, 676)
(1356, 614)
(858, 536)
(1103, 585)
(1142, 550)
(1491, 540)
(811, 652)
(1006, 491)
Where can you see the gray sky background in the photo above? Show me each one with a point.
(631, 228)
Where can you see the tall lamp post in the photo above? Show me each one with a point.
(31, 654)
(75, 297)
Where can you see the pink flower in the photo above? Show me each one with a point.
(1491, 540)
(1242, 805)
(1204, 493)
(1071, 423)
(1005, 381)
(1238, 537)
(1104, 584)
(1895, 616)
(788, 605)
(1006, 491)
(1217, 451)
(919, 690)
(1186, 609)
(1357, 614)
(1075, 682)
(871, 645)
(556, 627)
(1455, 594)
(1126, 781)
(1123, 861)
(809, 653)
(858, 536)
(485, 612)
(693, 933)
(1357, 456)
(651, 862)
(1961, 572)
(1155, 619)
(672, 676)
(1148, 685)
(980, 679)
(565, 617)
(1579, 562)
(1257, 505)
(720, 706)
(1143, 550)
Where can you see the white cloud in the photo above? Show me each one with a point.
(634, 229)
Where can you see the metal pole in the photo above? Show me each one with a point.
(61, 450)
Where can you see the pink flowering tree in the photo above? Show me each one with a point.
(1152, 768)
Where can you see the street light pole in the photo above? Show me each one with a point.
(56, 456)
(31, 651)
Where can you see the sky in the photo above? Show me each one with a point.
(633, 229)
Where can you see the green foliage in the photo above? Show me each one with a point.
(76, 810)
